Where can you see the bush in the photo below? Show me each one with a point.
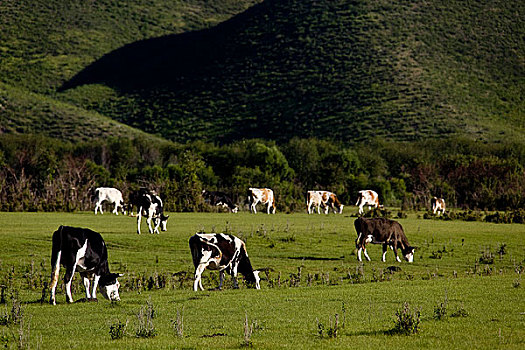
(407, 321)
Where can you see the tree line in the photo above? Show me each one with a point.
(44, 174)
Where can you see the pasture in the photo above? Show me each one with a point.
(313, 275)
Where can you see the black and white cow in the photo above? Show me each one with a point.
(218, 198)
(110, 194)
(383, 231)
(82, 250)
(149, 203)
(223, 252)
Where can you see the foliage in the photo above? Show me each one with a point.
(44, 174)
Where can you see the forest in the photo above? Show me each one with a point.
(44, 174)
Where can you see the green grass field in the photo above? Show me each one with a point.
(314, 276)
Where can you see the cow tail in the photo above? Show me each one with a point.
(56, 254)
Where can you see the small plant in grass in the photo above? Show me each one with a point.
(332, 330)
(487, 257)
(145, 316)
(459, 312)
(440, 311)
(178, 323)
(248, 331)
(407, 321)
(117, 330)
(13, 316)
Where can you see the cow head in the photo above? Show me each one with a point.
(409, 254)
(341, 209)
(235, 210)
(109, 286)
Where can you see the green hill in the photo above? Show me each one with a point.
(348, 70)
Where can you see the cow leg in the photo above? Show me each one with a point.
(394, 248)
(221, 278)
(385, 248)
(95, 285)
(98, 206)
(85, 279)
(198, 274)
(366, 254)
(148, 220)
(68, 278)
(361, 211)
(54, 279)
(116, 208)
(139, 216)
(359, 254)
(157, 225)
(254, 210)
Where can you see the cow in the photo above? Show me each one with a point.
(112, 195)
(263, 195)
(383, 231)
(367, 197)
(438, 205)
(82, 250)
(217, 198)
(323, 199)
(223, 252)
(149, 203)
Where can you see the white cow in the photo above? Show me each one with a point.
(263, 195)
(367, 197)
(112, 195)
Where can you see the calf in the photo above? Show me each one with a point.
(219, 199)
(149, 203)
(323, 199)
(382, 231)
(263, 195)
(112, 195)
(367, 197)
(438, 205)
(223, 252)
(82, 250)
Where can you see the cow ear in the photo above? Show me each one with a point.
(120, 274)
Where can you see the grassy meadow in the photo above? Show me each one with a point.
(313, 277)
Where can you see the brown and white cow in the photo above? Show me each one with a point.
(223, 252)
(367, 197)
(262, 195)
(438, 205)
(323, 199)
(383, 231)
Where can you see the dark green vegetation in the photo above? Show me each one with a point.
(314, 278)
(349, 70)
(39, 173)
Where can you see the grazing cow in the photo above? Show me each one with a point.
(82, 250)
(149, 203)
(438, 205)
(223, 252)
(112, 195)
(323, 199)
(219, 199)
(367, 197)
(263, 195)
(382, 231)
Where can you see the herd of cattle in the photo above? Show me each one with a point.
(83, 250)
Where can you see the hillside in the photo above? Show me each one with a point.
(44, 43)
(335, 69)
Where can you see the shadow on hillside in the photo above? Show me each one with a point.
(170, 60)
